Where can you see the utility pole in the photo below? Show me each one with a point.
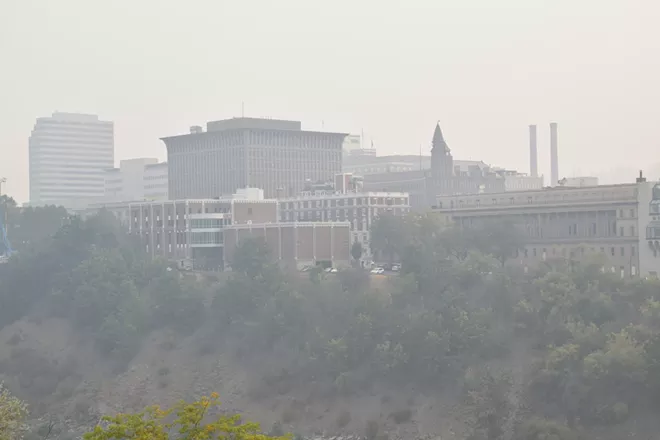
(2, 180)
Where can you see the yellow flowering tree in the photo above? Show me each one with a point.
(12, 415)
(184, 421)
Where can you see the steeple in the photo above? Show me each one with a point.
(439, 143)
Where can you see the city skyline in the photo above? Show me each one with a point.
(485, 71)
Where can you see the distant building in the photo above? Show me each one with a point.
(360, 210)
(515, 181)
(275, 155)
(192, 229)
(424, 177)
(68, 155)
(136, 179)
(618, 222)
(353, 147)
(296, 244)
(578, 182)
(199, 232)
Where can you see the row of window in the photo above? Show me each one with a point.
(543, 253)
(542, 199)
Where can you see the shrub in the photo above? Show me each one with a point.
(288, 416)
(163, 371)
(371, 430)
(343, 419)
(401, 416)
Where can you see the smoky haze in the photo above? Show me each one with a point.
(485, 69)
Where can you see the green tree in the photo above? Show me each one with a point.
(356, 250)
(184, 421)
(252, 257)
(13, 412)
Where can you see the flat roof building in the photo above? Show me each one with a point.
(618, 222)
(68, 155)
(296, 244)
(359, 209)
(275, 155)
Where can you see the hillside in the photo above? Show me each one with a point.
(459, 346)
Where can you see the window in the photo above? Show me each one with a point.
(632, 231)
(633, 251)
(612, 251)
(534, 252)
(621, 231)
(249, 211)
(632, 213)
(623, 251)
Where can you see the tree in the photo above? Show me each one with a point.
(188, 424)
(387, 236)
(251, 257)
(356, 250)
(13, 412)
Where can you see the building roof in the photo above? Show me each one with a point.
(439, 142)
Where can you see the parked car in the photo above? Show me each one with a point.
(396, 267)
(377, 270)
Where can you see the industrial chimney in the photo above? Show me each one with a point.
(533, 152)
(554, 158)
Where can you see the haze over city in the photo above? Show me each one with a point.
(391, 69)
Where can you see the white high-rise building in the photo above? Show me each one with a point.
(69, 154)
(136, 180)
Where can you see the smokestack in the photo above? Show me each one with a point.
(554, 158)
(533, 152)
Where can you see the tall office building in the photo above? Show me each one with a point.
(68, 155)
(275, 155)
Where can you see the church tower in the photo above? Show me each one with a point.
(442, 162)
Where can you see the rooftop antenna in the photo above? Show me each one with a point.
(2, 180)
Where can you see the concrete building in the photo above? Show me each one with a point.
(360, 210)
(68, 155)
(189, 230)
(296, 244)
(136, 179)
(618, 222)
(369, 165)
(275, 155)
(515, 181)
(578, 182)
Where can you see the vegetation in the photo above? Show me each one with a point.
(189, 423)
(550, 353)
(12, 415)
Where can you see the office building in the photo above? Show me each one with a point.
(620, 223)
(275, 155)
(135, 180)
(69, 154)
(191, 229)
(359, 209)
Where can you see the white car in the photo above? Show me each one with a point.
(378, 270)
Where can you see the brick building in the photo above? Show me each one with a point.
(360, 210)
(296, 244)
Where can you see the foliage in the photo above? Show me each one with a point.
(188, 422)
(356, 250)
(12, 415)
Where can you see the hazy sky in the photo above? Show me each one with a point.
(484, 68)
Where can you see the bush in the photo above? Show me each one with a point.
(401, 416)
(288, 416)
(343, 419)
(163, 371)
(371, 430)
